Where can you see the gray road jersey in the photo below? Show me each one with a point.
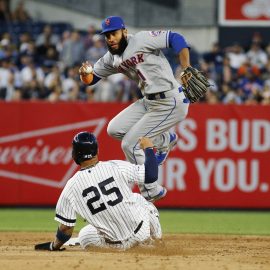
(142, 61)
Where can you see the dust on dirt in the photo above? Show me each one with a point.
(175, 251)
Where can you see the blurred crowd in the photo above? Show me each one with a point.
(238, 75)
(43, 64)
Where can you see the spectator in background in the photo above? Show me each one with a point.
(47, 52)
(25, 40)
(53, 83)
(257, 38)
(47, 37)
(257, 56)
(6, 80)
(7, 48)
(104, 91)
(30, 72)
(20, 14)
(97, 50)
(17, 80)
(4, 45)
(89, 94)
(236, 77)
(266, 93)
(230, 95)
(88, 39)
(266, 74)
(70, 85)
(267, 50)
(73, 50)
(5, 15)
(214, 56)
(214, 59)
(7, 37)
(211, 98)
(232, 98)
(53, 77)
(64, 37)
(237, 56)
(226, 72)
(251, 84)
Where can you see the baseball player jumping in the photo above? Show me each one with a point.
(165, 101)
(100, 193)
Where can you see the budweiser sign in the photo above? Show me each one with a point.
(35, 147)
(31, 155)
(38, 154)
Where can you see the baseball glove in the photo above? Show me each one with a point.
(194, 84)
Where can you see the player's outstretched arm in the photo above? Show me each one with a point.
(63, 234)
(184, 58)
(178, 43)
(195, 84)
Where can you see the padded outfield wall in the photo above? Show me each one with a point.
(221, 159)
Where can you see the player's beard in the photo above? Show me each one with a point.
(121, 47)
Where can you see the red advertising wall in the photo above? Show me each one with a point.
(221, 159)
(244, 12)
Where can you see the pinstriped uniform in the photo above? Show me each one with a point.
(144, 62)
(101, 194)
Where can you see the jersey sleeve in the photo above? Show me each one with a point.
(153, 40)
(104, 66)
(131, 173)
(65, 213)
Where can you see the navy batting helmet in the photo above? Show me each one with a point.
(84, 146)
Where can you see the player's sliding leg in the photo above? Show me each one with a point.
(155, 227)
(89, 237)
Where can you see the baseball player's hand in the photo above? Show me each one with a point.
(86, 68)
(47, 246)
(194, 83)
(145, 143)
(86, 72)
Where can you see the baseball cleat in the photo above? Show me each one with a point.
(162, 155)
(159, 196)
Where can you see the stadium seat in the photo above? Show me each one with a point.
(59, 27)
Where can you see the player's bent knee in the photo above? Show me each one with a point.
(83, 237)
(155, 227)
(125, 145)
(113, 131)
(88, 237)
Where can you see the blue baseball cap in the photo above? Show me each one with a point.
(112, 23)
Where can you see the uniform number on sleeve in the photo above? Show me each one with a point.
(105, 191)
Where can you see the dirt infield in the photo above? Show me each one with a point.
(173, 252)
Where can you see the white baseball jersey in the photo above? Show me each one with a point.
(142, 61)
(101, 195)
